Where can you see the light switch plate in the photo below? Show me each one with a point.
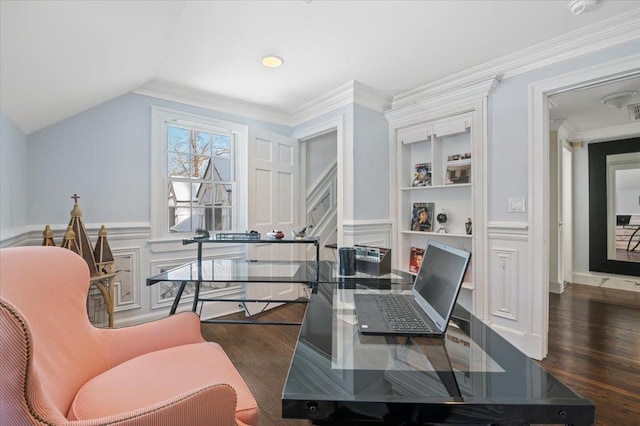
(516, 205)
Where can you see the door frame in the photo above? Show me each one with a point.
(566, 203)
(333, 124)
(539, 173)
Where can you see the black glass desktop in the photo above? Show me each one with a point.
(471, 376)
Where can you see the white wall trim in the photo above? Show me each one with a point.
(511, 230)
(538, 177)
(609, 133)
(374, 232)
(161, 116)
(187, 95)
(134, 253)
(15, 236)
(344, 190)
(318, 129)
(438, 101)
(32, 234)
(601, 35)
(596, 279)
(349, 93)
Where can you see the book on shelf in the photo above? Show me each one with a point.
(422, 217)
(422, 175)
(458, 169)
(416, 259)
(468, 275)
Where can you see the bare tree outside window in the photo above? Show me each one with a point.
(200, 176)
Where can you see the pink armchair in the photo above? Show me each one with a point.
(57, 369)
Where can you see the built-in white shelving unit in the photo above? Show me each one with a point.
(444, 131)
(446, 146)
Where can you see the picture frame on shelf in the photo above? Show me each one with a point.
(415, 260)
(421, 175)
(458, 169)
(422, 217)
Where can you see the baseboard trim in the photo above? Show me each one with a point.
(616, 282)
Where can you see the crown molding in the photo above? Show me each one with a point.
(187, 95)
(369, 97)
(349, 93)
(568, 130)
(440, 101)
(628, 130)
(601, 35)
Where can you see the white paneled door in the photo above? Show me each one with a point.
(273, 204)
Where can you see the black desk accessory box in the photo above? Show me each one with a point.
(373, 260)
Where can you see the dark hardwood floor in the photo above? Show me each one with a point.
(594, 347)
(262, 354)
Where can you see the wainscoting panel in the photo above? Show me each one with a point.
(510, 297)
(504, 269)
(162, 294)
(127, 283)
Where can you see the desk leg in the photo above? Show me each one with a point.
(196, 296)
(177, 298)
(631, 239)
(317, 261)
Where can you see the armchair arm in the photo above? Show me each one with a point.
(212, 405)
(128, 342)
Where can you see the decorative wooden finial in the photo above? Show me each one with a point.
(102, 253)
(47, 237)
(69, 241)
(76, 212)
(82, 243)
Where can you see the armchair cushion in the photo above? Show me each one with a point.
(55, 367)
(159, 377)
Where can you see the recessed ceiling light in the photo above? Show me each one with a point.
(272, 61)
(620, 99)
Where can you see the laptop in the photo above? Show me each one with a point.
(427, 310)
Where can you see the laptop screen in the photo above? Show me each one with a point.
(439, 280)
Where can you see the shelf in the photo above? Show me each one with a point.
(449, 146)
(436, 187)
(438, 234)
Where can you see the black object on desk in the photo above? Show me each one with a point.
(340, 377)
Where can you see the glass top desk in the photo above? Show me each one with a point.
(237, 271)
(472, 376)
(309, 273)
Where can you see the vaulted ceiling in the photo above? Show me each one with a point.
(58, 58)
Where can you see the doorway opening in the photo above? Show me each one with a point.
(539, 174)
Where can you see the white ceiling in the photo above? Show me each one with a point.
(585, 111)
(58, 58)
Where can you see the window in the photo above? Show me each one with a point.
(199, 178)
(195, 180)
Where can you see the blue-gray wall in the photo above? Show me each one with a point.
(103, 155)
(508, 154)
(14, 172)
(371, 164)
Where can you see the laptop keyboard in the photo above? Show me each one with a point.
(401, 315)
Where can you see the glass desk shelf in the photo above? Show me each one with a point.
(242, 271)
(471, 376)
(212, 240)
(237, 270)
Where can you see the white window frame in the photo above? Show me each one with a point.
(160, 117)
